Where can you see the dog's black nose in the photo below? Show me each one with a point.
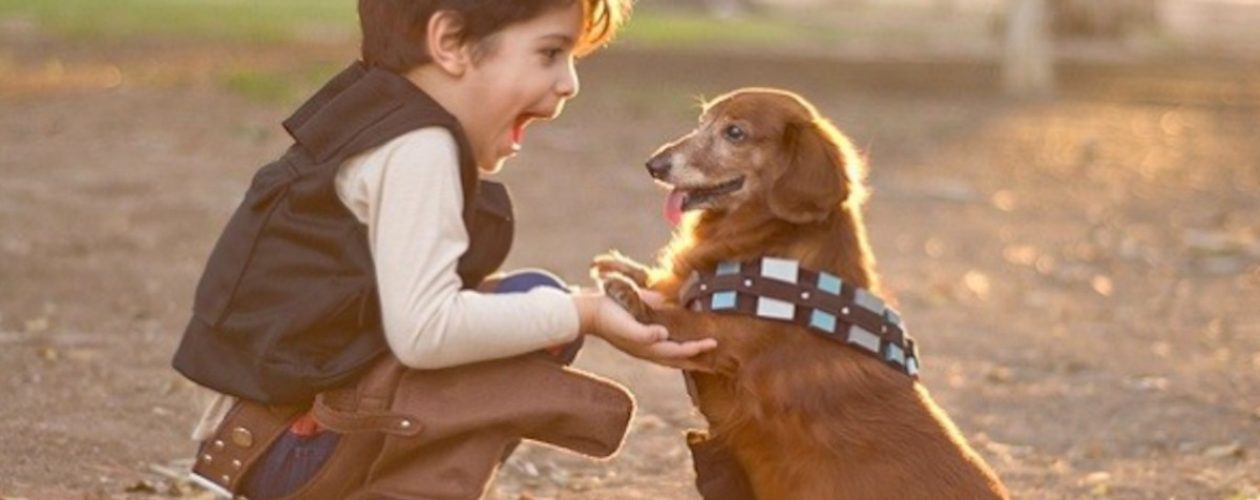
(658, 167)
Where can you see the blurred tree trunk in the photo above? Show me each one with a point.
(1028, 66)
(1099, 19)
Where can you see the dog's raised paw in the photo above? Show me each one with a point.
(625, 293)
(616, 263)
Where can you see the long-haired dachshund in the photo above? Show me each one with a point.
(808, 417)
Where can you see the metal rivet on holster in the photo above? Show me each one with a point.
(218, 444)
(226, 478)
(405, 424)
(207, 458)
(236, 464)
(242, 437)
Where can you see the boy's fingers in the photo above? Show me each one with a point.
(681, 350)
(647, 334)
(666, 351)
(699, 346)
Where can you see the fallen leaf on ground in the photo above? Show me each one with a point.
(141, 487)
(1102, 285)
(36, 325)
(1233, 449)
(1098, 477)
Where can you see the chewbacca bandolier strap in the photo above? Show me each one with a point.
(780, 289)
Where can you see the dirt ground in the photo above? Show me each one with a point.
(1082, 272)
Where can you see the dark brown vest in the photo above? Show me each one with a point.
(288, 306)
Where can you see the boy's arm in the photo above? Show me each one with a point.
(408, 192)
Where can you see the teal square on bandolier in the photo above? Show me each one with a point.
(893, 318)
(895, 354)
(723, 301)
(829, 283)
(823, 320)
(868, 301)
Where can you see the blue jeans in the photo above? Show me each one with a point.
(294, 459)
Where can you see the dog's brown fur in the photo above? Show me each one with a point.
(807, 417)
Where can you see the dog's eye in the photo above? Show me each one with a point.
(734, 133)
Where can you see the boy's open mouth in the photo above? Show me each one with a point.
(684, 198)
(518, 131)
(518, 128)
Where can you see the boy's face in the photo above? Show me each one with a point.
(526, 73)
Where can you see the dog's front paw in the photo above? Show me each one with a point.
(622, 290)
(615, 263)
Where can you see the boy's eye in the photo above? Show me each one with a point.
(551, 54)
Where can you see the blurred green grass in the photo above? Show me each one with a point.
(278, 86)
(292, 20)
(192, 22)
(211, 20)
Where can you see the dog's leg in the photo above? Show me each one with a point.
(719, 475)
(734, 334)
(615, 263)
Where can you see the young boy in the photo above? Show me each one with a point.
(344, 318)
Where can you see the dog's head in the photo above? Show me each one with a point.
(760, 146)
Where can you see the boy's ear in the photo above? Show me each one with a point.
(444, 42)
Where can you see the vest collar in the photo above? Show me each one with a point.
(335, 86)
(358, 96)
(781, 290)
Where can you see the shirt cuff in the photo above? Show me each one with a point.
(566, 314)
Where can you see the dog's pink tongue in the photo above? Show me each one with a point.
(673, 206)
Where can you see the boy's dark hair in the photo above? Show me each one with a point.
(394, 30)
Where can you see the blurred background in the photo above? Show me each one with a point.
(1066, 206)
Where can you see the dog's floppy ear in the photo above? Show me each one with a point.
(809, 186)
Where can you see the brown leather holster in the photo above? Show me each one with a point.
(436, 434)
(244, 436)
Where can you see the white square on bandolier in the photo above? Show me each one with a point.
(780, 269)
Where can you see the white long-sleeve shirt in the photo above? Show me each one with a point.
(408, 193)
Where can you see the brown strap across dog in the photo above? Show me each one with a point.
(780, 289)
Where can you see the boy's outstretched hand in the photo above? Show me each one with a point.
(600, 316)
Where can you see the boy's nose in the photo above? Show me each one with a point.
(568, 85)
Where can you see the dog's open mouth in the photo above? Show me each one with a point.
(682, 199)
